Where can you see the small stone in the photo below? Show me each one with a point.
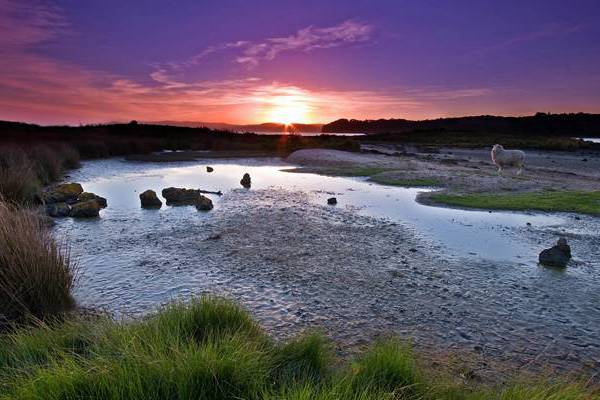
(209, 169)
(332, 201)
(85, 209)
(149, 199)
(58, 210)
(203, 203)
(556, 256)
(246, 182)
(87, 196)
(63, 193)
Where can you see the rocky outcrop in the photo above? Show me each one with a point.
(63, 193)
(87, 196)
(85, 209)
(203, 203)
(556, 256)
(69, 199)
(246, 182)
(180, 196)
(58, 210)
(332, 201)
(149, 199)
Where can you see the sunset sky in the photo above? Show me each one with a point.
(83, 61)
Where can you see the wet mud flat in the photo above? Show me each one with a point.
(299, 264)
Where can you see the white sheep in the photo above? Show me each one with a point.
(506, 158)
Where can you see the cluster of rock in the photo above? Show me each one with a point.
(556, 256)
(69, 200)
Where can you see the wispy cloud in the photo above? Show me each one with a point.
(24, 23)
(307, 39)
(550, 31)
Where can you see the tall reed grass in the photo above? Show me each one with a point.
(36, 274)
(211, 349)
(24, 170)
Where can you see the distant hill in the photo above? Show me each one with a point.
(265, 127)
(579, 124)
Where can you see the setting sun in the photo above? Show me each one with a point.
(288, 110)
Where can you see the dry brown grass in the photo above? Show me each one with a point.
(18, 178)
(23, 171)
(36, 273)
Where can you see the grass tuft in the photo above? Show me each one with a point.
(36, 274)
(390, 367)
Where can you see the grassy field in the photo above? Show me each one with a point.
(567, 201)
(210, 348)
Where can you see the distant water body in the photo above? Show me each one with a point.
(593, 140)
(310, 133)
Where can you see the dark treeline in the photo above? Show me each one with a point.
(94, 141)
(579, 124)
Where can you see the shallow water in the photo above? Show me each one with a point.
(472, 278)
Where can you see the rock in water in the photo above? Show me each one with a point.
(564, 246)
(556, 256)
(86, 196)
(245, 182)
(149, 199)
(180, 196)
(332, 201)
(209, 169)
(63, 193)
(85, 209)
(58, 210)
(203, 203)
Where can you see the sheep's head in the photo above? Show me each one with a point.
(497, 148)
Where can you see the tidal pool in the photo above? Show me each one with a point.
(377, 261)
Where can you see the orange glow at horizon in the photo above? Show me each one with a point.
(288, 108)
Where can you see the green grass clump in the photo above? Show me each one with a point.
(210, 348)
(36, 275)
(559, 201)
(408, 182)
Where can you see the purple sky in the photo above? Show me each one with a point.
(75, 61)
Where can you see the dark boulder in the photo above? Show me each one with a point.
(332, 201)
(180, 196)
(58, 210)
(149, 199)
(87, 196)
(85, 209)
(246, 182)
(209, 169)
(63, 193)
(203, 203)
(556, 256)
